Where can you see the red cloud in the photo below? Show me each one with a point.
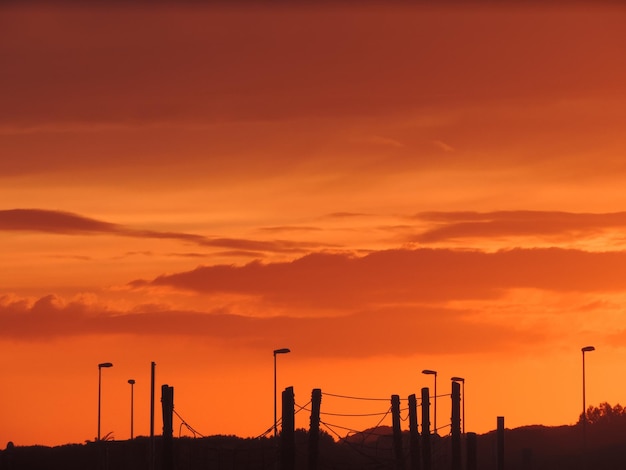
(339, 281)
(48, 221)
(393, 330)
(302, 60)
(38, 220)
(459, 225)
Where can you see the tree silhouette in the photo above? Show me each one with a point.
(606, 414)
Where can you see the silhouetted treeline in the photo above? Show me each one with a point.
(606, 414)
(526, 448)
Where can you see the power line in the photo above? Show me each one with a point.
(354, 398)
(187, 425)
(300, 408)
(353, 447)
(265, 433)
(355, 415)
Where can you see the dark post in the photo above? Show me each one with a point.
(7, 457)
(456, 426)
(152, 445)
(414, 440)
(500, 445)
(167, 401)
(426, 455)
(397, 432)
(472, 462)
(152, 366)
(288, 434)
(314, 429)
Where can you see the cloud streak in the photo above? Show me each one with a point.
(463, 225)
(356, 306)
(404, 277)
(67, 223)
(360, 334)
(37, 220)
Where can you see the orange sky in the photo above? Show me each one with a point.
(382, 189)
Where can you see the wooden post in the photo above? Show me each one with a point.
(152, 444)
(456, 426)
(397, 432)
(426, 451)
(167, 402)
(7, 458)
(288, 434)
(414, 440)
(314, 428)
(500, 444)
(472, 462)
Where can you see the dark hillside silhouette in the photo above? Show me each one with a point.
(530, 447)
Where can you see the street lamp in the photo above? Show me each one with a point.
(132, 386)
(433, 372)
(462, 380)
(100, 366)
(277, 351)
(584, 417)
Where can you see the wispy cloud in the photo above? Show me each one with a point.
(443, 146)
(358, 334)
(67, 223)
(460, 225)
(384, 141)
(346, 215)
(37, 220)
(291, 228)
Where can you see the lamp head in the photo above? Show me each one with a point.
(105, 364)
(282, 351)
(429, 372)
(457, 379)
(588, 348)
(131, 381)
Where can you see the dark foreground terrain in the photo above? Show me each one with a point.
(532, 447)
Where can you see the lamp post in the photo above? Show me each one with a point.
(277, 351)
(100, 366)
(132, 386)
(584, 416)
(433, 372)
(462, 380)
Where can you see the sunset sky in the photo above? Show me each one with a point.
(380, 188)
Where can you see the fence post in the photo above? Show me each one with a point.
(426, 451)
(456, 426)
(288, 435)
(152, 444)
(167, 402)
(414, 440)
(472, 462)
(314, 428)
(397, 432)
(500, 444)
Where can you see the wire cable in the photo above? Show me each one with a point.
(354, 398)
(304, 407)
(352, 446)
(354, 415)
(187, 425)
